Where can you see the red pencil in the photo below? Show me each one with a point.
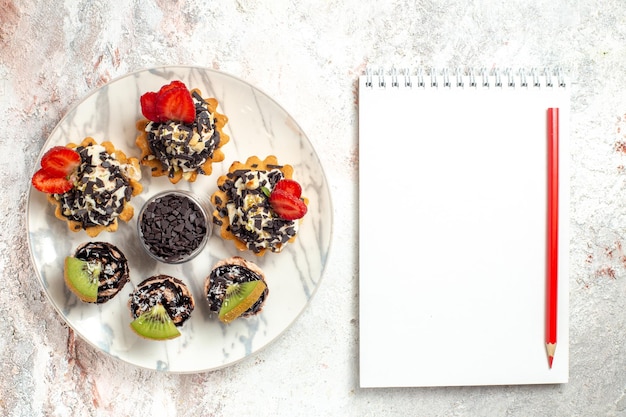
(553, 233)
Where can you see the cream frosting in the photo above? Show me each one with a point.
(101, 187)
(251, 217)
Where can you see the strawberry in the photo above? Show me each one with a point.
(176, 104)
(173, 85)
(172, 102)
(60, 161)
(289, 186)
(48, 183)
(57, 166)
(287, 206)
(148, 106)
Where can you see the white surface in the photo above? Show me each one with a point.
(456, 294)
(307, 55)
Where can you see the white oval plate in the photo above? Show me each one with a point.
(257, 125)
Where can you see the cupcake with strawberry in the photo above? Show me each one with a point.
(90, 184)
(181, 135)
(258, 205)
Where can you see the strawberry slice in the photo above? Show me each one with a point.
(289, 186)
(60, 161)
(148, 106)
(176, 104)
(57, 166)
(172, 102)
(49, 183)
(286, 205)
(173, 85)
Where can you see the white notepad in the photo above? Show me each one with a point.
(452, 234)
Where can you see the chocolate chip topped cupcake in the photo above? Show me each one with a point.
(258, 205)
(96, 272)
(159, 305)
(90, 184)
(235, 288)
(181, 135)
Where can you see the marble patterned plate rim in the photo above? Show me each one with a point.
(266, 118)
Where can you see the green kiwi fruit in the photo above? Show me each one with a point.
(155, 324)
(239, 298)
(82, 278)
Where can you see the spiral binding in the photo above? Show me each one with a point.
(465, 78)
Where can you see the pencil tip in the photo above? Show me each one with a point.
(550, 349)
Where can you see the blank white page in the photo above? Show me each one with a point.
(452, 233)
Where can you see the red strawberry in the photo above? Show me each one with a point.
(48, 183)
(289, 186)
(172, 102)
(148, 106)
(287, 206)
(173, 85)
(176, 104)
(57, 165)
(60, 161)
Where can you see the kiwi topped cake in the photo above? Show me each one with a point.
(90, 184)
(159, 305)
(96, 272)
(181, 135)
(258, 205)
(235, 288)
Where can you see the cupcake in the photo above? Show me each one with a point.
(258, 206)
(96, 272)
(181, 135)
(159, 306)
(235, 288)
(90, 184)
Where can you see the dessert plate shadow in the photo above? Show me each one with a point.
(257, 125)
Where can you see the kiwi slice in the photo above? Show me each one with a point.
(155, 324)
(239, 298)
(82, 278)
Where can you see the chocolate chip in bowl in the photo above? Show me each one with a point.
(173, 226)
